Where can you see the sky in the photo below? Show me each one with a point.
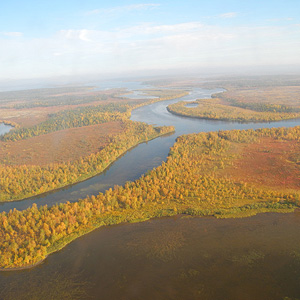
(49, 38)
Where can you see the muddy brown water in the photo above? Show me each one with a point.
(171, 258)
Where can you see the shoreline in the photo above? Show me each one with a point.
(98, 223)
(149, 102)
(162, 211)
(86, 178)
(228, 120)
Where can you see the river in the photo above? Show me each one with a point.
(168, 258)
(143, 157)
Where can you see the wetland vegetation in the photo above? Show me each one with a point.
(25, 168)
(220, 174)
(244, 99)
(197, 179)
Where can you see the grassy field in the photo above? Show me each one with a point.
(60, 146)
(31, 107)
(219, 109)
(267, 163)
(288, 95)
(247, 100)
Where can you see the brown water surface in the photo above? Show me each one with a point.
(171, 258)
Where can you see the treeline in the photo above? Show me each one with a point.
(7, 122)
(17, 182)
(238, 111)
(257, 106)
(186, 183)
(62, 100)
(28, 98)
(264, 107)
(81, 116)
(40, 98)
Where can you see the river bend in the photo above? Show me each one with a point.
(146, 156)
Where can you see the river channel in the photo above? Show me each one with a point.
(143, 157)
(168, 258)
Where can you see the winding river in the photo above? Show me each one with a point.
(168, 258)
(143, 157)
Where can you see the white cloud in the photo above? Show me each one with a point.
(122, 9)
(148, 46)
(228, 15)
(280, 19)
(76, 34)
(141, 6)
(145, 30)
(12, 34)
(92, 12)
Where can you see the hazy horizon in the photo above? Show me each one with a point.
(89, 79)
(132, 38)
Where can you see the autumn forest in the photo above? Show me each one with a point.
(220, 174)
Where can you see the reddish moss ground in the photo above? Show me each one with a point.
(60, 146)
(288, 95)
(267, 164)
(27, 117)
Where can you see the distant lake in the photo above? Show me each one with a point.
(4, 128)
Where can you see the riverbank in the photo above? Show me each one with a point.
(133, 216)
(216, 109)
(95, 163)
(199, 179)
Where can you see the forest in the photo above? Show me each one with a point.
(196, 179)
(23, 180)
(234, 110)
(86, 116)
(82, 116)
(18, 182)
